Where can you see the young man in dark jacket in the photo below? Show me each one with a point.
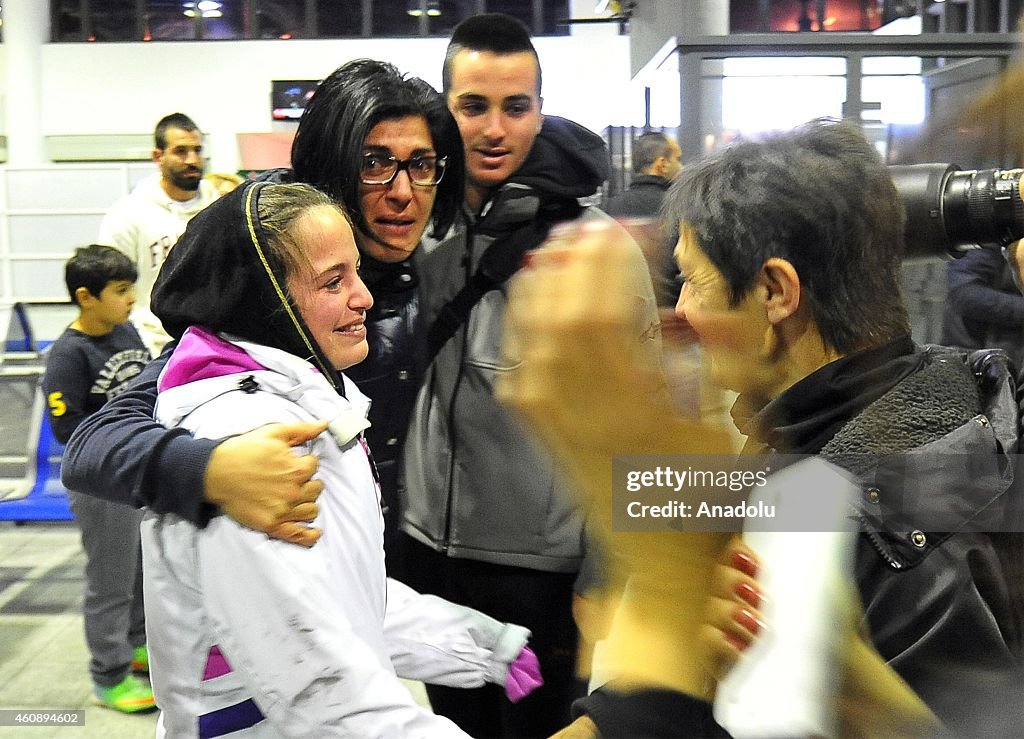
(490, 523)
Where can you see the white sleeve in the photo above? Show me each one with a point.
(438, 642)
(278, 625)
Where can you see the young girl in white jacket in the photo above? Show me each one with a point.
(251, 636)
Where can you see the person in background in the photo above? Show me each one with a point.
(656, 163)
(146, 223)
(386, 147)
(92, 361)
(984, 307)
(488, 521)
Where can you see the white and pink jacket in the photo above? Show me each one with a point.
(255, 637)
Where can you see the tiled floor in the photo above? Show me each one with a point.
(43, 657)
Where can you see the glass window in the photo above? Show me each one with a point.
(176, 20)
(114, 20)
(521, 9)
(165, 21)
(555, 11)
(391, 18)
(766, 94)
(66, 21)
(339, 19)
(280, 19)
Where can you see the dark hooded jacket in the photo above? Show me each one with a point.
(641, 199)
(221, 275)
(477, 486)
(930, 435)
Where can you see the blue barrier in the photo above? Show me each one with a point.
(38, 494)
(46, 499)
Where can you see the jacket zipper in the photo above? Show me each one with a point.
(876, 542)
(449, 502)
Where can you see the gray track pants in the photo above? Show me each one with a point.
(113, 609)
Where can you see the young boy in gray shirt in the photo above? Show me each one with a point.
(92, 361)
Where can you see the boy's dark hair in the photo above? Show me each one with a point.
(328, 148)
(494, 32)
(94, 267)
(174, 120)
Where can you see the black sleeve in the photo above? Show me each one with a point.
(652, 713)
(121, 454)
(974, 292)
(66, 389)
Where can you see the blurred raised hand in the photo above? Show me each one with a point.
(584, 335)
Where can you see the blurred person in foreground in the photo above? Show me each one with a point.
(790, 249)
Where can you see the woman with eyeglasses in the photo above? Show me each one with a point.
(386, 148)
(394, 160)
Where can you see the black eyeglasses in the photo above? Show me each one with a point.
(378, 169)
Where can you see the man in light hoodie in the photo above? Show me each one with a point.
(146, 223)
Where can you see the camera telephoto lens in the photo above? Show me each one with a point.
(949, 208)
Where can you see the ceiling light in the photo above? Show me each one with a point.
(206, 8)
(415, 9)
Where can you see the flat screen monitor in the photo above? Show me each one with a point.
(288, 98)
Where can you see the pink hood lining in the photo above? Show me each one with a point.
(201, 355)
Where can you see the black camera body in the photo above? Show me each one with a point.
(949, 208)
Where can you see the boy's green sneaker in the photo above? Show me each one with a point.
(140, 660)
(128, 696)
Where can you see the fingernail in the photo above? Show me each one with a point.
(748, 593)
(747, 620)
(736, 641)
(744, 563)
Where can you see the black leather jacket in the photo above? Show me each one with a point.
(388, 375)
(933, 453)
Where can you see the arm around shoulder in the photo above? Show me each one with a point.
(121, 454)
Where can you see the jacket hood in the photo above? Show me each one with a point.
(221, 275)
(566, 159)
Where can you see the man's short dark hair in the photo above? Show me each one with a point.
(647, 147)
(819, 197)
(174, 120)
(328, 148)
(494, 32)
(94, 267)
